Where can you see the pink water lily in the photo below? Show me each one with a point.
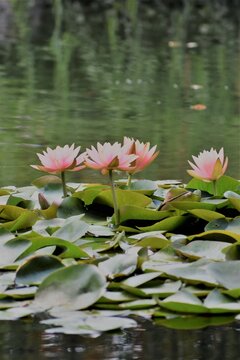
(107, 157)
(145, 154)
(210, 165)
(61, 159)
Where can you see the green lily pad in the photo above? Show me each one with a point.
(225, 183)
(37, 268)
(217, 302)
(226, 273)
(124, 197)
(183, 301)
(73, 229)
(132, 212)
(219, 235)
(232, 225)
(234, 199)
(192, 205)
(119, 265)
(204, 249)
(70, 206)
(89, 194)
(169, 224)
(11, 251)
(45, 180)
(207, 215)
(74, 287)
(36, 241)
(190, 322)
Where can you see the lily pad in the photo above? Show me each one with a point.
(119, 265)
(37, 268)
(74, 287)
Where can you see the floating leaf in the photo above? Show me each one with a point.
(45, 180)
(138, 304)
(11, 250)
(137, 280)
(119, 265)
(74, 287)
(146, 187)
(26, 292)
(204, 249)
(188, 322)
(15, 313)
(10, 212)
(226, 273)
(124, 197)
(191, 205)
(225, 183)
(24, 221)
(37, 268)
(219, 235)
(218, 303)
(89, 194)
(131, 212)
(234, 199)
(70, 206)
(36, 242)
(73, 229)
(224, 224)
(207, 215)
(115, 296)
(154, 242)
(183, 301)
(168, 224)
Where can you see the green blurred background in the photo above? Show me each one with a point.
(88, 71)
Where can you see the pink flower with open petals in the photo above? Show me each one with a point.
(145, 154)
(210, 165)
(61, 159)
(108, 156)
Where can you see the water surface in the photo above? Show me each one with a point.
(147, 342)
(84, 74)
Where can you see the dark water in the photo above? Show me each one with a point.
(96, 73)
(146, 342)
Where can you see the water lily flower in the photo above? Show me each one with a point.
(210, 165)
(108, 157)
(59, 160)
(145, 154)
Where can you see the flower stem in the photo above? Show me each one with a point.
(129, 180)
(115, 204)
(64, 184)
(214, 182)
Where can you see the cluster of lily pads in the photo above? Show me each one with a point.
(94, 257)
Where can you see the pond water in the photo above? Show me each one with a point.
(84, 74)
(147, 342)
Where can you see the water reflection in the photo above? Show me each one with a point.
(74, 75)
(22, 339)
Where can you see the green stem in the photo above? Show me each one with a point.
(115, 204)
(214, 182)
(64, 184)
(129, 180)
